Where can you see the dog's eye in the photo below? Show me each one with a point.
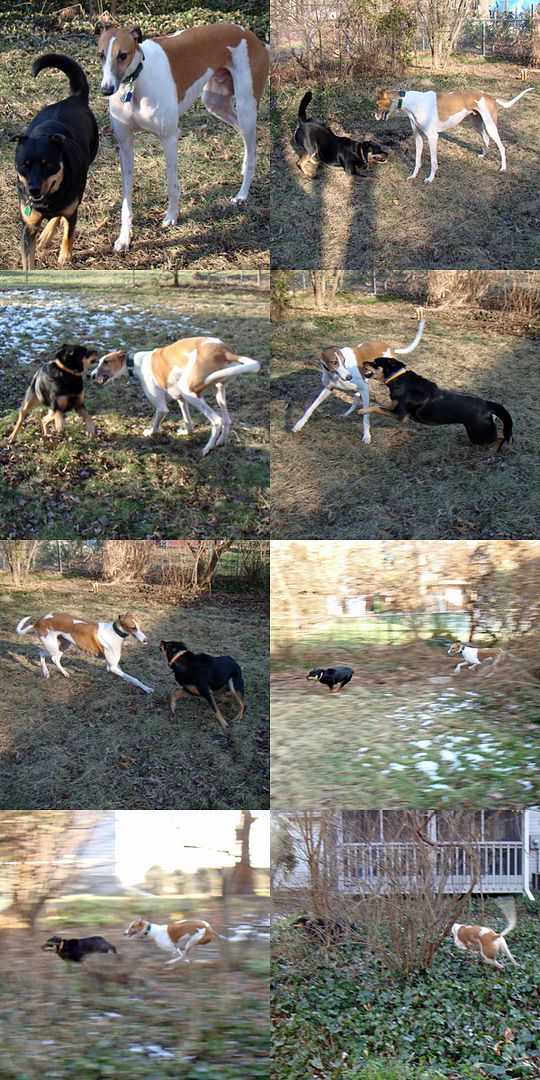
(44, 163)
(122, 55)
(102, 55)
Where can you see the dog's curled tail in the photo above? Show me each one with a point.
(410, 348)
(505, 417)
(78, 83)
(21, 628)
(303, 106)
(508, 104)
(507, 905)
(238, 365)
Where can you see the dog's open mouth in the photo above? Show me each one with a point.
(382, 114)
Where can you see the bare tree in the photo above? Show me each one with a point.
(126, 560)
(42, 848)
(206, 555)
(325, 284)
(19, 555)
(443, 22)
(242, 878)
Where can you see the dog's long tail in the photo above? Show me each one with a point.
(240, 365)
(508, 104)
(303, 106)
(78, 83)
(507, 905)
(410, 348)
(503, 415)
(21, 628)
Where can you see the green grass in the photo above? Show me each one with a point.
(395, 738)
(59, 1021)
(121, 483)
(413, 481)
(211, 230)
(96, 741)
(340, 1016)
(472, 215)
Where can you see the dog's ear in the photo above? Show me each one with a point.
(63, 351)
(18, 138)
(99, 28)
(136, 33)
(57, 138)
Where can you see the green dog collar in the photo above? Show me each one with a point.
(128, 94)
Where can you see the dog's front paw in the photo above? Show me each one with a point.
(298, 427)
(239, 199)
(429, 179)
(122, 244)
(412, 176)
(366, 437)
(148, 431)
(168, 220)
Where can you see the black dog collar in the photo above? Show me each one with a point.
(130, 362)
(117, 630)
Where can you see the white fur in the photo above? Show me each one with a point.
(154, 107)
(107, 636)
(421, 108)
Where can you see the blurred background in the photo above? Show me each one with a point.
(80, 873)
(407, 730)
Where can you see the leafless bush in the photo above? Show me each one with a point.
(127, 560)
(515, 293)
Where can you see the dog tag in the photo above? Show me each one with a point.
(127, 96)
(27, 210)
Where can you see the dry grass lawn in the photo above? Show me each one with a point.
(472, 216)
(413, 481)
(95, 741)
(130, 1015)
(211, 232)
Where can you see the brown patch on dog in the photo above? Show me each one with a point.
(190, 926)
(188, 54)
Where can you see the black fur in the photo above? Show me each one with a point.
(427, 403)
(62, 136)
(318, 141)
(200, 674)
(75, 949)
(60, 390)
(326, 931)
(337, 677)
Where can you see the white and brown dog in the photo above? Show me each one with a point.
(182, 371)
(431, 112)
(150, 82)
(473, 657)
(178, 937)
(485, 942)
(343, 369)
(58, 632)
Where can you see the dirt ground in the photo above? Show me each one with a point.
(406, 731)
(95, 741)
(211, 230)
(472, 216)
(412, 481)
(120, 483)
(130, 1015)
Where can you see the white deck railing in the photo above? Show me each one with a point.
(365, 867)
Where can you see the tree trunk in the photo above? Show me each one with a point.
(19, 555)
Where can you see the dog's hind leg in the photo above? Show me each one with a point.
(480, 127)
(26, 407)
(89, 425)
(491, 130)
(186, 416)
(246, 111)
(47, 419)
(225, 417)
(239, 695)
(215, 420)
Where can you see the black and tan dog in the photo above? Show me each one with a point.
(75, 949)
(326, 931)
(205, 676)
(318, 143)
(335, 678)
(52, 159)
(424, 401)
(58, 384)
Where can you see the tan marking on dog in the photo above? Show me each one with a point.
(477, 941)
(188, 53)
(203, 357)
(32, 403)
(52, 183)
(454, 101)
(123, 42)
(46, 236)
(68, 239)
(190, 926)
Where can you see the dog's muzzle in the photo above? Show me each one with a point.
(108, 90)
(382, 114)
